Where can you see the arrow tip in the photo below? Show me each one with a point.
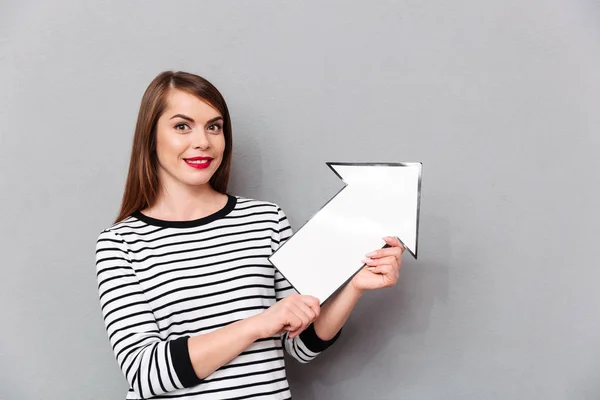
(399, 184)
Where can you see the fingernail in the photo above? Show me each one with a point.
(366, 260)
(370, 268)
(371, 254)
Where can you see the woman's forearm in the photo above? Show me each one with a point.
(209, 352)
(336, 311)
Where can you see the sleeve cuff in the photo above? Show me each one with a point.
(180, 357)
(313, 342)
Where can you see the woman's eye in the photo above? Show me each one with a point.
(215, 128)
(181, 127)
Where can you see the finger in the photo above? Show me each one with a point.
(380, 261)
(394, 242)
(385, 252)
(304, 313)
(311, 301)
(314, 303)
(292, 321)
(301, 314)
(385, 269)
(307, 310)
(388, 274)
(303, 306)
(295, 333)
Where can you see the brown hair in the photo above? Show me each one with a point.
(141, 186)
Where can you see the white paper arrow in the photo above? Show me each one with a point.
(378, 200)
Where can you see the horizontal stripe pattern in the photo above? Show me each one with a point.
(158, 285)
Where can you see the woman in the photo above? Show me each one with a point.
(191, 304)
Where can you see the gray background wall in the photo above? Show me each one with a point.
(499, 100)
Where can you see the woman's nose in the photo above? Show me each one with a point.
(200, 140)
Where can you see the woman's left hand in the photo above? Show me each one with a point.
(382, 267)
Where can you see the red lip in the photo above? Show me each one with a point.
(198, 166)
(198, 158)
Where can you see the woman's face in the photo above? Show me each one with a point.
(189, 140)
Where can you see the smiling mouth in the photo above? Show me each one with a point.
(198, 162)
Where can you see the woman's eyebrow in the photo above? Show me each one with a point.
(210, 121)
(182, 117)
(215, 119)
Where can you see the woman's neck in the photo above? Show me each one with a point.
(186, 203)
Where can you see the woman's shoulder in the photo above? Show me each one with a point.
(115, 230)
(264, 206)
(245, 202)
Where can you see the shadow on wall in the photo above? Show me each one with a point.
(245, 181)
(382, 319)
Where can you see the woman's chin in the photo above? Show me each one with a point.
(196, 183)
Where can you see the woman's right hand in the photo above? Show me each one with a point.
(292, 314)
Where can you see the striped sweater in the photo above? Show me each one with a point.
(160, 282)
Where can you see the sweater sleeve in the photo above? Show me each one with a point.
(152, 366)
(306, 346)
